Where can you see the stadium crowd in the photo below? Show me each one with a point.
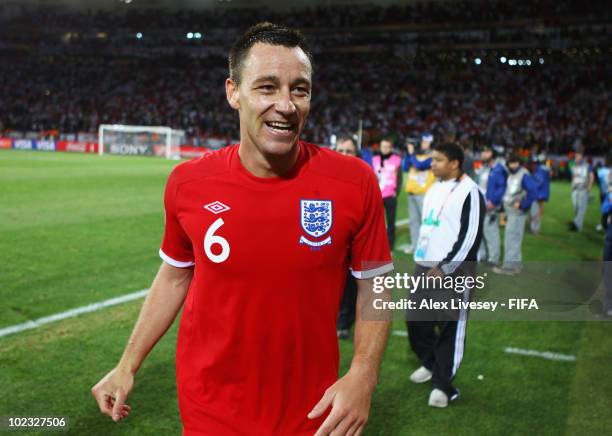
(543, 105)
(329, 16)
(73, 85)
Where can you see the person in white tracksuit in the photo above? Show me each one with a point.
(447, 246)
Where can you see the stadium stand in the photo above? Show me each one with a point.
(506, 74)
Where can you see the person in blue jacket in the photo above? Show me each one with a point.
(541, 177)
(491, 178)
(520, 193)
(606, 209)
(366, 155)
(603, 175)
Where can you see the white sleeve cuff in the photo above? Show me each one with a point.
(370, 273)
(175, 263)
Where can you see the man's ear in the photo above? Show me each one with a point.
(232, 93)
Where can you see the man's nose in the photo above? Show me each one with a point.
(284, 104)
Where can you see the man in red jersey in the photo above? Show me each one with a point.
(258, 239)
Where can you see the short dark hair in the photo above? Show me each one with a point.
(490, 148)
(513, 157)
(266, 33)
(452, 151)
(345, 137)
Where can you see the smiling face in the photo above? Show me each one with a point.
(273, 99)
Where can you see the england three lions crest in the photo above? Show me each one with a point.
(316, 218)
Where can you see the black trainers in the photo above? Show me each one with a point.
(455, 395)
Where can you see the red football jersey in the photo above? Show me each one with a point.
(257, 342)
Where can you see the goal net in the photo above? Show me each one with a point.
(140, 140)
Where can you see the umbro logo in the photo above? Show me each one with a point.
(216, 207)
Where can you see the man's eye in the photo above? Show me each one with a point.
(301, 90)
(266, 88)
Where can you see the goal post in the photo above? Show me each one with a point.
(122, 139)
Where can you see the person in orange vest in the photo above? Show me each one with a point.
(420, 178)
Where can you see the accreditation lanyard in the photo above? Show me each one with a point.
(457, 182)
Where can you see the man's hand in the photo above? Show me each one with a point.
(350, 398)
(112, 391)
(517, 204)
(490, 206)
(159, 310)
(435, 272)
(410, 148)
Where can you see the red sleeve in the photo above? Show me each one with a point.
(370, 255)
(176, 248)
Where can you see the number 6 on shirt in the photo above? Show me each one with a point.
(210, 239)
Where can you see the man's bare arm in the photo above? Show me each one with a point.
(371, 332)
(350, 397)
(158, 312)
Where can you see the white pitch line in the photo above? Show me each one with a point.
(28, 325)
(543, 354)
(402, 222)
(511, 350)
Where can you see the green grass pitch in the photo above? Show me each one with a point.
(78, 229)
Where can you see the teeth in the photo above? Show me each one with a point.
(279, 125)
